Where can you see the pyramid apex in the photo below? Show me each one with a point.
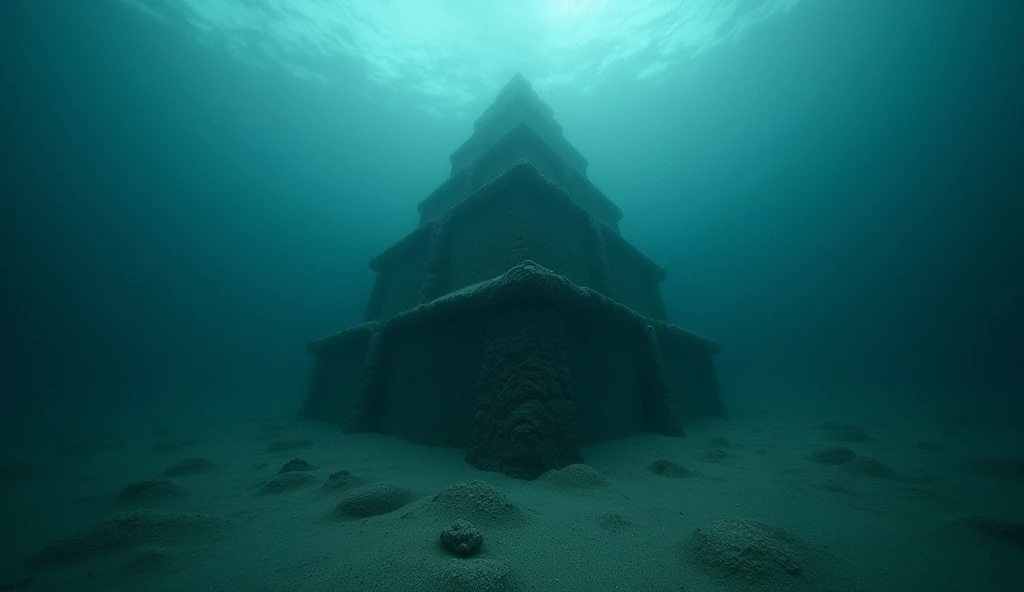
(516, 85)
(519, 79)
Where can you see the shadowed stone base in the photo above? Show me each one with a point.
(520, 371)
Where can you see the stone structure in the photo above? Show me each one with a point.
(515, 322)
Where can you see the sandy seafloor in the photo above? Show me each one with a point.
(854, 526)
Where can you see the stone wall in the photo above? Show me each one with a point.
(520, 143)
(465, 370)
(339, 366)
(518, 215)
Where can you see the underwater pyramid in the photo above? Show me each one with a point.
(514, 322)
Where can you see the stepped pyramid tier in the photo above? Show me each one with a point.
(515, 321)
(516, 103)
(516, 216)
(521, 142)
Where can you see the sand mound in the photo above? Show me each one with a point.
(1001, 467)
(474, 575)
(373, 500)
(150, 561)
(667, 468)
(287, 482)
(837, 486)
(288, 445)
(752, 552)
(719, 442)
(715, 455)
(833, 455)
(148, 491)
(190, 466)
(575, 478)
(129, 530)
(870, 467)
(475, 501)
(1006, 530)
(341, 481)
(298, 465)
(614, 521)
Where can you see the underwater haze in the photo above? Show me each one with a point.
(192, 190)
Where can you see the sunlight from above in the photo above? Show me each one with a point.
(452, 52)
(569, 9)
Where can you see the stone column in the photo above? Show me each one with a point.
(525, 422)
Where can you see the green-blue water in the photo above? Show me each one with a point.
(191, 190)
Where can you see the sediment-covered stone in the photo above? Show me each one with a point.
(462, 539)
